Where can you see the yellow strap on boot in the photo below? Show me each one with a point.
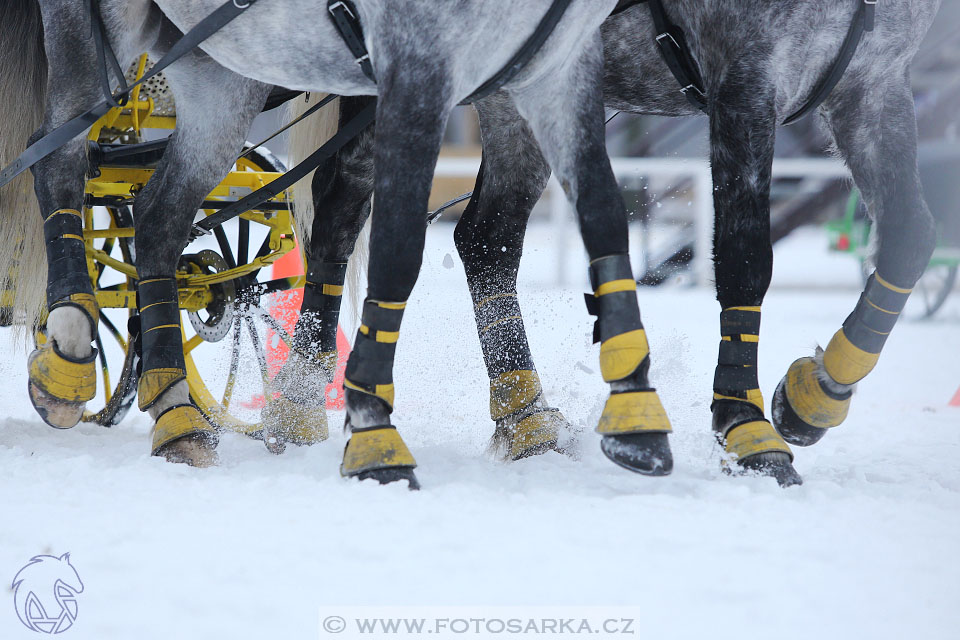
(154, 382)
(376, 448)
(752, 438)
(512, 391)
(177, 422)
(633, 412)
(62, 378)
(535, 433)
(808, 399)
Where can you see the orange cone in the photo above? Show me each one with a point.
(286, 310)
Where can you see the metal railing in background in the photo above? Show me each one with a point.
(701, 211)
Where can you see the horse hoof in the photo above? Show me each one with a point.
(59, 414)
(378, 453)
(195, 450)
(774, 464)
(393, 474)
(534, 435)
(644, 453)
(183, 435)
(60, 386)
(788, 424)
(286, 421)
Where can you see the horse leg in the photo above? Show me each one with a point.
(489, 238)
(874, 126)
(742, 130)
(62, 372)
(341, 188)
(201, 151)
(410, 125)
(565, 113)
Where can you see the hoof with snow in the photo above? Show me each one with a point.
(379, 453)
(644, 453)
(804, 408)
(756, 447)
(532, 435)
(287, 421)
(60, 386)
(183, 435)
(635, 431)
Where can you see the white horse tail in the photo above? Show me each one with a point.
(23, 80)
(305, 138)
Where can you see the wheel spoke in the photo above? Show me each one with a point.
(234, 364)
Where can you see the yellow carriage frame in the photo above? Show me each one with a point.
(197, 289)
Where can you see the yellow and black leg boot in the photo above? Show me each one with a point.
(60, 384)
(375, 449)
(299, 414)
(181, 433)
(815, 394)
(526, 426)
(738, 420)
(634, 424)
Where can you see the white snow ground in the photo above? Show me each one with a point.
(866, 548)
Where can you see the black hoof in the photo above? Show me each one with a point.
(392, 474)
(775, 464)
(645, 453)
(788, 424)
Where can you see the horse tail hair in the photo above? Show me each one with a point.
(23, 82)
(305, 138)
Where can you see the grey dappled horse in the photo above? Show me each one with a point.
(427, 56)
(760, 61)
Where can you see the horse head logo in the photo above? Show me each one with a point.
(45, 594)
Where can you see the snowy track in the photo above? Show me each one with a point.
(866, 548)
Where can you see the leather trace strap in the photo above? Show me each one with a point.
(81, 123)
(344, 16)
(863, 21)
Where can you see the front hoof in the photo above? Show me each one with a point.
(59, 414)
(644, 453)
(775, 465)
(533, 435)
(286, 421)
(378, 453)
(183, 435)
(395, 474)
(60, 386)
(788, 424)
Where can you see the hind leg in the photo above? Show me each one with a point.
(342, 188)
(489, 239)
(875, 129)
(410, 124)
(199, 154)
(741, 137)
(566, 115)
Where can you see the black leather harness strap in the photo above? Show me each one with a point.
(81, 123)
(344, 16)
(863, 21)
(676, 53)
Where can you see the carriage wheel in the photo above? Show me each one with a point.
(116, 374)
(228, 344)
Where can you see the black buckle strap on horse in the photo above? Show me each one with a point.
(676, 53)
(81, 123)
